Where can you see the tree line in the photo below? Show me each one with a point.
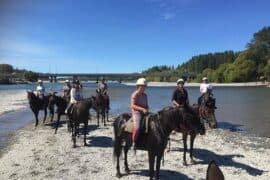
(9, 74)
(251, 64)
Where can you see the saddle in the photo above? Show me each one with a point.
(144, 126)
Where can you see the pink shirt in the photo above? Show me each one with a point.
(139, 100)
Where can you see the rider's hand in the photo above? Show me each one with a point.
(145, 111)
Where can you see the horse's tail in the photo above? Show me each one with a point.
(117, 126)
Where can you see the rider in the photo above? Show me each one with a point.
(40, 89)
(66, 88)
(180, 95)
(75, 96)
(102, 86)
(139, 106)
(204, 88)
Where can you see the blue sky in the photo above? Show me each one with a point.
(112, 36)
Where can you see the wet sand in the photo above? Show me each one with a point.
(37, 153)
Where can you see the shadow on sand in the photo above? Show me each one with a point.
(164, 174)
(100, 141)
(205, 156)
(230, 126)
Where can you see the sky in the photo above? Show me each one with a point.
(122, 36)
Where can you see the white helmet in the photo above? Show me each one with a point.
(40, 81)
(180, 80)
(204, 79)
(67, 81)
(141, 81)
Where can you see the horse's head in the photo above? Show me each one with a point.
(30, 95)
(193, 120)
(52, 98)
(207, 111)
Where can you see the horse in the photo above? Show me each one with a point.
(155, 141)
(37, 104)
(61, 103)
(80, 114)
(207, 106)
(190, 114)
(101, 106)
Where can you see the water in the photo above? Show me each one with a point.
(239, 108)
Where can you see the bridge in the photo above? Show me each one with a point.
(53, 77)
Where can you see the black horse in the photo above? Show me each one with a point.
(101, 106)
(155, 141)
(205, 111)
(207, 107)
(37, 104)
(80, 114)
(61, 104)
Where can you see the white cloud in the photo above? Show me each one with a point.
(168, 16)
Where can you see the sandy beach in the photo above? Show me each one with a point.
(38, 153)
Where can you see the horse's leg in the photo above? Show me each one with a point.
(103, 117)
(158, 165)
(185, 148)
(192, 138)
(126, 162)
(74, 134)
(117, 152)
(45, 114)
(98, 117)
(57, 123)
(151, 159)
(36, 116)
(85, 131)
(52, 112)
(169, 148)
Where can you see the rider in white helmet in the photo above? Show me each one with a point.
(66, 88)
(205, 87)
(139, 106)
(40, 89)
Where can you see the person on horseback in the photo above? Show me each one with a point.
(66, 89)
(75, 96)
(180, 95)
(40, 89)
(205, 87)
(139, 107)
(103, 88)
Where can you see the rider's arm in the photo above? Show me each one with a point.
(174, 99)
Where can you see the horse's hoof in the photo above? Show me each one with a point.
(184, 163)
(118, 175)
(127, 170)
(74, 146)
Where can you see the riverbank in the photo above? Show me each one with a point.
(171, 84)
(38, 153)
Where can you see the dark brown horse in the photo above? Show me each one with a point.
(101, 106)
(37, 104)
(205, 111)
(80, 114)
(61, 104)
(155, 141)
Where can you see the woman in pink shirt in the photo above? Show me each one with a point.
(139, 106)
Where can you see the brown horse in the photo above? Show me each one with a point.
(101, 106)
(37, 104)
(155, 141)
(61, 104)
(80, 114)
(207, 109)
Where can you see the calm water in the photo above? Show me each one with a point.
(239, 108)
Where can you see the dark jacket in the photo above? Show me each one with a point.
(180, 96)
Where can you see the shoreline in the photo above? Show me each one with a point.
(173, 84)
(37, 153)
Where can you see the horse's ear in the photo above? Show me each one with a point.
(54, 93)
(214, 172)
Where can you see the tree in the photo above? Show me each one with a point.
(6, 69)
(267, 70)
(30, 76)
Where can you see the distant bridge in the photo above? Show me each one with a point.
(90, 76)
